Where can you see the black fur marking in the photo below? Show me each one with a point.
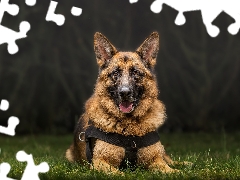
(116, 74)
(125, 58)
(135, 86)
(136, 74)
(105, 65)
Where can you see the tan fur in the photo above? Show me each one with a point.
(148, 116)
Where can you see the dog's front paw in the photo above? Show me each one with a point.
(167, 170)
(103, 166)
(160, 165)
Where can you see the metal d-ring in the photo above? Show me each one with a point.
(81, 134)
(134, 144)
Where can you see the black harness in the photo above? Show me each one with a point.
(131, 144)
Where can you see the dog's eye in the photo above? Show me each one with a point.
(136, 74)
(115, 75)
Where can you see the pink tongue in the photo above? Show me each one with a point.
(126, 107)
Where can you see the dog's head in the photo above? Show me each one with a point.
(126, 82)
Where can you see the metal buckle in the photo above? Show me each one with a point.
(134, 144)
(81, 134)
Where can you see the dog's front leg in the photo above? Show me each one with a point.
(151, 157)
(159, 164)
(171, 162)
(102, 165)
(107, 157)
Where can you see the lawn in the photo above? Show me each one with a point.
(215, 156)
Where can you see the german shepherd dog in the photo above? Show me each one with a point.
(124, 104)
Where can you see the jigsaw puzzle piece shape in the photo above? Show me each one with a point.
(209, 10)
(179, 5)
(10, 130)
(31, 170)
(235, 14)
(208, 16)
(51, 16)
(156, 7)
(9, 36)
(180, 19)
(12, 9)
(4, 170)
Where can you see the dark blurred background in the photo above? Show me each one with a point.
(54, 72)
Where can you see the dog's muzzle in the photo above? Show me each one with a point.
(126, 99)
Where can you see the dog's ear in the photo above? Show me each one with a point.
(104, 50)
(149, 49)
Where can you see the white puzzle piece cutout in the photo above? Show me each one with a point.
(12, 9)
(210, 9)
(76, 11)
(7, 35)
(4, 170)
(10, 130)
(31, 170)
(4, 105)
(12, 121)
(51, 16)
(30, 2)
(133, 1)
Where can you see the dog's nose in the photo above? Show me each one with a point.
(124, 91)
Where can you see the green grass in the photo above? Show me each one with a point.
(215, 156)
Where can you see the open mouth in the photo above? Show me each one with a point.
(126, 106)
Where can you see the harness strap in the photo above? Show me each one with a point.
(130, 143)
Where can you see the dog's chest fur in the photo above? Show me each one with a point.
(126, 125)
